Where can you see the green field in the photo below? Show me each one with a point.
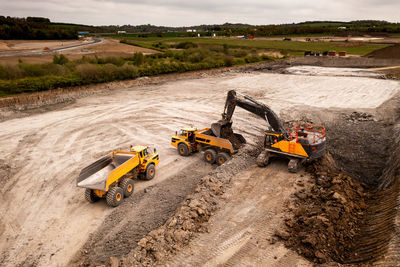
(285, 46)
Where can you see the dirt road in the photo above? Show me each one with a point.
(45, 219)
(242, 231)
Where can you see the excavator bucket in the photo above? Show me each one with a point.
(223, 129)
(217, 127)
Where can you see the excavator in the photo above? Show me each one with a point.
(299, 143)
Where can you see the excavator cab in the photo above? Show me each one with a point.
(272, 138)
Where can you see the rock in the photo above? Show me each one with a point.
(282, 234)
(114, 262)
(321, 257)
(339, 197)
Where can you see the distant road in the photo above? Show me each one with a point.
(41, 52)
(95, 40)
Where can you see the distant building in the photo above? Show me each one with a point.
(191, 30)
(83, 33)
(342, 28)
(121, 32)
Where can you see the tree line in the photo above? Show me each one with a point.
(36, 28)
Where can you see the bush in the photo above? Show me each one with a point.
(138, 59)
(89, 72)
(186, 45)
(228, 61)
(38, 84)
(25, 77)
(117, 61)
(61, 59)
(239, 53)
(32, 70)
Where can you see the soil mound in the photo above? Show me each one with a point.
(326, 216)
(390, 52)
(348, 220)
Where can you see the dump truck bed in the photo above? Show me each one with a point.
(205, 136)
(107, 170)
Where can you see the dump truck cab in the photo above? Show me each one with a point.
(185, 141)
(112, 176)
(187, 134)
(216, 150)
(146, 156)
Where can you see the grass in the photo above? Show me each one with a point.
(290, 46)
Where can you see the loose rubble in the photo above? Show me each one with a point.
(326, 217)
(192, 217)
(358, 117)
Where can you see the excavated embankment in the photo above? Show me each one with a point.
(348, 214)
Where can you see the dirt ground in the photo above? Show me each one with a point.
(46, 220)
(33, 51)
(242, 231)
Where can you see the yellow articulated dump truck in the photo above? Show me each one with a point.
(216, 150)
(111, 177)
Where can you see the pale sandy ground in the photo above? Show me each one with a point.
(44, 217)
(35, 44)
(325, 71)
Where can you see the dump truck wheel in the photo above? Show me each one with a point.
(222, 158)
(263, 159)
(293, 165)
(183, 149)
(150, 172)
(115, 196)
(210, 156)
(127, 186)
(91, 196)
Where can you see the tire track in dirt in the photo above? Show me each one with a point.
(240, 231)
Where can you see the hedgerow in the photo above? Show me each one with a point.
(24, 77)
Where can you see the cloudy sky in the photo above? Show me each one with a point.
(195, 12)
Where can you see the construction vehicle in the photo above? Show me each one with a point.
(111, 177)
(299, 142)
(216, 150)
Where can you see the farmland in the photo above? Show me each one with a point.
(289, 46)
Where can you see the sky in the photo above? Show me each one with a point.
(190, 12)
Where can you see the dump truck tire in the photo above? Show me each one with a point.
(91, 196)
(210, 156)
(293, 165)
(183, 149)
(222, 158)
(127, 186)
(263, 159)
(115, 196)
(150, 172)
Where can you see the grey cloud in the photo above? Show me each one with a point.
(180, 13)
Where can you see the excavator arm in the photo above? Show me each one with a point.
(249, 104)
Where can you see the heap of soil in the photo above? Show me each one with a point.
(325, 217)
(227, 133)
(390, 52)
